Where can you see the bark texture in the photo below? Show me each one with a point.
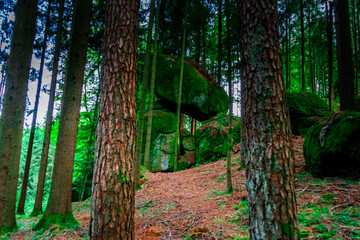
(113, 192)
(61, 185)
(266, 133)
(15, 96)
(344, 55)
(21, 204)
(46, 143)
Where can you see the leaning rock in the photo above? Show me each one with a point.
(211, 139)
(305, 109)
(332, 147)
(202, 98)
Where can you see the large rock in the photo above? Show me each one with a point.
(211, 139)
(201, 97)
(162, 147)
(332, 146)
(305, 109)
(357, 103)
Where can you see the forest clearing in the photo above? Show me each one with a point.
(192, 204)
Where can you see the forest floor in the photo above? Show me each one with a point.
(193, 204)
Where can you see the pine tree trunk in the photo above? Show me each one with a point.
(59, 206)
(329, 34)
(344, 55)
(21, 204)
(355, 36)
(229, 187)
(313, 84)
(152, 89)
(141, 122)
(48, 122)
(219, 41)
(302, 45)
(266, 133)
(113, 193)
(287, 80)
(14, 103)
(178, 109)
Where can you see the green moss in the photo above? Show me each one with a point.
(357, 103)
(200, 100)
(67, 221)
(288, 229)
(305, 109)
(36, 212)
(331, 147)
(211, 139)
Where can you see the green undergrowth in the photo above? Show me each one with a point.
(68, 221)
(322, 222)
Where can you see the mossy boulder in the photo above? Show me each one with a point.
(211, 139)
(162, 147)
(201, 98)
(305, 109)
(357, 103)
(188, 143)
(332, 146)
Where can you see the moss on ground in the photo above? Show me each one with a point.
(67, 221)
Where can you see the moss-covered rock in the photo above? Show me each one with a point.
(162, 148)
(188, 143)
(357, 103)
(332, 146)
(201, 98)
(211, 139)
(305, 109)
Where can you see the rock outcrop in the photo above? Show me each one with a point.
(211, 139)
(305, 109)
(332, 146)
(202, 98)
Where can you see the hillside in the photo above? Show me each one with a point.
(192, 205)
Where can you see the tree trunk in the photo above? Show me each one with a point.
(329, 34)
(193, 126)
(219, 41)
(113, 193)
(313, 84)
(344, 55)
(14, 104)
(287, 80)
(229, 187)
(355, 36)
(58, 209)
(140, 131)
(152, 89)
(302, 45)
(48, 122)
(266, 133)
(178, 109)
(21, 204)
